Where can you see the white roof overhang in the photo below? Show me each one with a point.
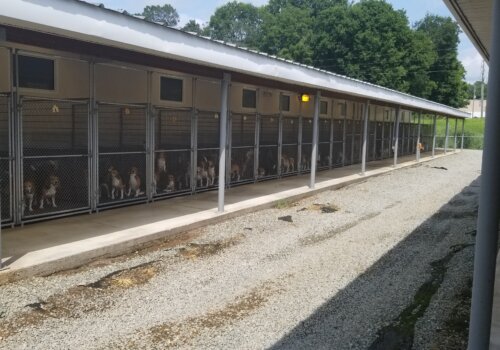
(82, 21)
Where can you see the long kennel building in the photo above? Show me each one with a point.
(100, 109)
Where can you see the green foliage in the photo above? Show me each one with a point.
(235, 22)
(192, 26)
(447, 71)
(165, 14)
(477, 84)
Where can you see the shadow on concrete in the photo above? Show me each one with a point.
(379, 293)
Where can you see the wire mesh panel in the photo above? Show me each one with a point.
(370, 155)
(5, 162)
(338, 142)
(122, 153)
(207, 166)
(268, 146)
(387, 147)
(242, 147)
(172, 160)
(306, 150)
(379, 140)
(55, 161)
(349, 124)
(290, 145)
(324, 157)
(358, 140)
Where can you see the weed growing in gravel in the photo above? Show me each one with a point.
(284, 204)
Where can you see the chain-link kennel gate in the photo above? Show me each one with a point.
(6, 213)
(207, 151)
(122, 149)
(268, 146)
(242, 150)
(338, 142)
(306, 144)
(173, 149)
(325, 143)
(55, 157)
(290, 145)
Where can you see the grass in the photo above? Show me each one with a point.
(473, 131)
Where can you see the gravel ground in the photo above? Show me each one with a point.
(340, 275)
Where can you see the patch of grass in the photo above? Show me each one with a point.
(284, 204)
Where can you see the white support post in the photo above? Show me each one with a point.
(447, 134)
(226, 81)
(314, 154)
(455, 138)
(486, 247)
(418, 135)
(396, 135)
(434, 136)
(463, 131)
(366, 115)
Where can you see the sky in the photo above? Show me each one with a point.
(201, 10)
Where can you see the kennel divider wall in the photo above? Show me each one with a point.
(6, 166)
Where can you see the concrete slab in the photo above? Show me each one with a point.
(47, 247)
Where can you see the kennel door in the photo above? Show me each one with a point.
(5, 160)
(290, 145)
(122, 153)
(207, 162)
(55, 156)
(242, 147)
(268, 146)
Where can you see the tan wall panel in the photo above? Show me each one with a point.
(120, 85)
(236, 99)
(208, 95)
(269, 101)
(187, 91)
(5, 69)
(295, 104)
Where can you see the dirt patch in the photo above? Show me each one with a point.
(201, 250)
(79, 300)
(323, 208)
(287, 218)
(176, 334)
(285, 204)
(330, 234)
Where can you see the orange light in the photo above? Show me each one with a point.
(304, 98)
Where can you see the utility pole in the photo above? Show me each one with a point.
(482, 90)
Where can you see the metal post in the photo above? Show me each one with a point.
(299, 148)
(396, 135)
(226, 80)
(332, 121)
(418, 136)
(18, 147)
(365, 135)
(150, 142)
(489, 205)
(463, 130)
(434, 136)
(344, 133)
(455, 139)
(447, 134)
(314, 153)
(374, 155)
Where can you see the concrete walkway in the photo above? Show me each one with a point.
(47, 247)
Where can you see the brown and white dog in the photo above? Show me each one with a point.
(29, 194)
(161, 163)
(235, 171)
(287, 164)
(211, 173)
(134, 183)
(170, 183)
(261, 172)
(117, 184)
(49, 191)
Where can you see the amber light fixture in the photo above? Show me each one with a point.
(305, 98)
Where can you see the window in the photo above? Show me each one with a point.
(343, 109)
(249, 98)
(171, 89)
(323, 107)
(285, 103)
(36, 73)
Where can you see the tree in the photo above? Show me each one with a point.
(285, 36)
(419, 62)
(192, 26)
(477, 84)
(235, 22)
(368, 40)
(165, 14)
(447, 72)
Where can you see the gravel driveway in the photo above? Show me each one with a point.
(375, 265)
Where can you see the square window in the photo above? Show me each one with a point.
(171, 89)
(285, 103)
(36, 73)
(323, 107)
(249, 98)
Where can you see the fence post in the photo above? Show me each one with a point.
(226, 80)
(434, 136)
(418, 135)
(365, 135)
(463, 130)
(447, 134)
(314, 152)
(396, 135)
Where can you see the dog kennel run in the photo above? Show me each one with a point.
(114, 148)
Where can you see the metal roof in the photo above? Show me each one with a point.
(474, 17)
(87, 22)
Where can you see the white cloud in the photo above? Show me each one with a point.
(472, 61)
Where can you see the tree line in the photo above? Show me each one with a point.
(367, 40)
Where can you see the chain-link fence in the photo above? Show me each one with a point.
(290, 146)
(207, 165)
(268, 146)
(5, 161)
(55, 156)
(122, 153)
(172, 153)
(338, 142)
(242, 151)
